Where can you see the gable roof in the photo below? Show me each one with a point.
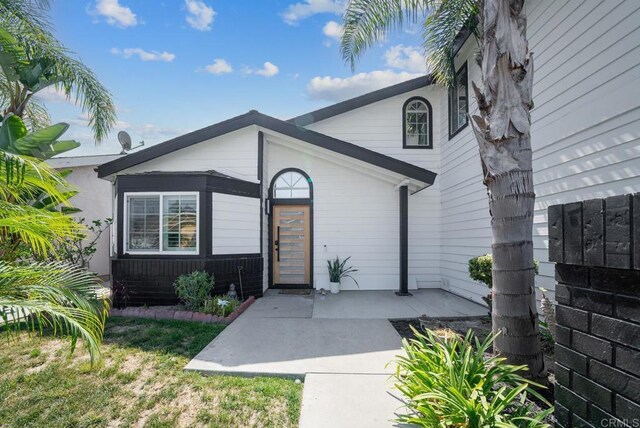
(289, 129)
(361, 101)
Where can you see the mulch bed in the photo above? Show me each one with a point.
(176, 313)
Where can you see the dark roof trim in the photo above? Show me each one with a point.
(276, 125)
(347, 149)
(361, 101)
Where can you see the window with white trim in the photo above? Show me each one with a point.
(161, 223)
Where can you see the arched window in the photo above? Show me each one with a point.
(416, 116)
(291, 185)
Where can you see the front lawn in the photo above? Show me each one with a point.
(139, 383)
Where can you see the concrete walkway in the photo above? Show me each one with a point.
(342, 345)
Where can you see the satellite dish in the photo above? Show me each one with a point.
(125, 141)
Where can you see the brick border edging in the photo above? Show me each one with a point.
(172, 314)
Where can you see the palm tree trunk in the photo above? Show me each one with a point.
(502, 129)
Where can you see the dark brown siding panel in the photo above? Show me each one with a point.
(150, 281)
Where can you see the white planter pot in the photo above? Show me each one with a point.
(335, 287)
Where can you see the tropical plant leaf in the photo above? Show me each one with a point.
(37, 138)
(47, 151)
(11, 130)
(57, 296)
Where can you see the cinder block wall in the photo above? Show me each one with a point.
(596, 247)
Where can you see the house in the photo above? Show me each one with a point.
(93, 199)
(391, 178)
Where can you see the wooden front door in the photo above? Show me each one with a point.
(291, 255)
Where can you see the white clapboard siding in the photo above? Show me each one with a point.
(234, 154)
(585, 132)
(378, 127)
(357, 214)
(236, 224)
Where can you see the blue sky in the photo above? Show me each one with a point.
(175, 66)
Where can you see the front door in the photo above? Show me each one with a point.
(291, 253)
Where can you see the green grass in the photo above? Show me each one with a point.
(140, 382)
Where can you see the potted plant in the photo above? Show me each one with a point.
(339, 270)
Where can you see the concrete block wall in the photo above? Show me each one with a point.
(596, 247)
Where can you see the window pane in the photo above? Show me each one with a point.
(143, 222)
(179, 223)
(291, 184)
(458, 102)
(417, 124)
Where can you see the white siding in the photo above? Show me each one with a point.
(354, 214)
(234, 154)
(236, 224)
(378, 127)
(586, 124)
(94, 199)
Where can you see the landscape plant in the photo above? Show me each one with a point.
(480, 269)
(221, 306)
(339, 270)
(36, 295)
(194, 289)
(31, 60)
(502, 127)
(79, 249)
(452, 381)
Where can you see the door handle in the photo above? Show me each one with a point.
(277, 243)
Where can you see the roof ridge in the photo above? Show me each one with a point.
(362, 100)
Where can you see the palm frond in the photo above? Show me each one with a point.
(36, 228)
(25, 21)
(439, 32)
(57, 296)
(366, 22)
(36, 115)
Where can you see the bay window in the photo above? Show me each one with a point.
(161, 223)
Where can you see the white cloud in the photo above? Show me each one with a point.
(219, 66)
(200, 15)
(115, 13)
(149, 132)
(268, 70)
(338, 89)
(144, 55)
(408, 58)
(333, 30)
(307, 8)
(51, 94)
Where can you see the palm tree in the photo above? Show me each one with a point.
(31, 59)
(502, 129)
(36, 295)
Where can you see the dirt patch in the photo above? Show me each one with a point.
(480, 326)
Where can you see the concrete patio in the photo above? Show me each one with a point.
(293, 335)
(342, 345)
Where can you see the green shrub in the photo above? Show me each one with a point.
(480, 269)
(221, 306)
(451, 382)
(194, 289)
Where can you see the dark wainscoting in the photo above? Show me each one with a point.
(149, 281)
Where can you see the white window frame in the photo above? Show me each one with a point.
(160, 250)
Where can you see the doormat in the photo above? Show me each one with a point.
(303, 292)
